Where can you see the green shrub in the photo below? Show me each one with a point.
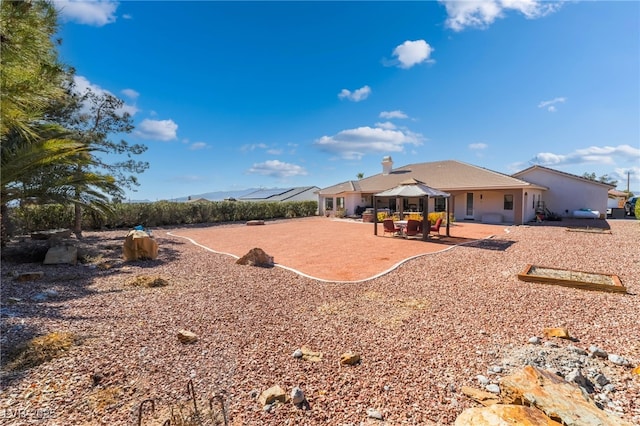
(161, 213)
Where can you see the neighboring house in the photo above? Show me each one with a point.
(477, 193)
(302, 193)
(567, 192)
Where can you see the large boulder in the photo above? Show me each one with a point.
(557, 398)
(139, 245)
(61, 255)
(256, 257)
(504, 415)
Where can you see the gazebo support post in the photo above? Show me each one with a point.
(375, 215)
(426, 225)
(448, 215)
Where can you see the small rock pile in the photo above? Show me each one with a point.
(592, 373)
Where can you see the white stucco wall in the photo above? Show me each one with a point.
(487, 204)
(566, 194)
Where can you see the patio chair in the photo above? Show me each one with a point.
(436, 226)
(412, 227)
(389, 226)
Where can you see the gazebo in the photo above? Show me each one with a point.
(411, 188)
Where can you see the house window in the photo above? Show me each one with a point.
(508, 201)
(340, 203)
(439, 204)
(328, 203)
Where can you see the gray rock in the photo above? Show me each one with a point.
(577, 350)
(551, 345)
(579, 379)
(535, 340)
(493, 388)
(597, 352)
(601, 380)
(496, 369)
(268, 407)
(482, 379)
(617, 359)
(297, 396)
(297, 353)
(609, 387)
(374, 414)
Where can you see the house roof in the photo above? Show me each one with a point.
(300, 193)
(448, 175)
(528, 170)
(616, 193)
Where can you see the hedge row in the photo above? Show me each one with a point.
(162, 213)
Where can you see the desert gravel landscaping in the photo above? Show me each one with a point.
(422, 330)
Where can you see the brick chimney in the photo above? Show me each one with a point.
(387, 164)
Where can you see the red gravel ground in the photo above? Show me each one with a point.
(331, 249)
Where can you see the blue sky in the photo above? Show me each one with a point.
(236, 95)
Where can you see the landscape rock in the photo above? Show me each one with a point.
(297, 353)
(310, 355)
(255, 222)
(29, 276)
(597, 352)
(579, 379)
(559, 332)
(138, 245)
(555, 397)
(535, 340)
(374, 414)
(577, 350)
(61, 255)
(483, 397)
(617, 360)
(349, 358)
(272, 395)
(186, 336)
(483, 380)
(256, 257)
(498, 415)
(297, 396)
(493, 388)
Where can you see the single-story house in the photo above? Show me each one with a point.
(477, 193)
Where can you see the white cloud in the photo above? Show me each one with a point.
(274, 151)
(82, 84)
(355, 143)
(162, 130)
(253, 147)
(482, 13)
(198, 146)
(478, 146)
(620, 174)
(277, 169)
(127, 16)
(357, 95)
(550, 105)
(130, 93)
(96, 13)
(411, 53)
(386, 125)
(393, 114)
(591, 155)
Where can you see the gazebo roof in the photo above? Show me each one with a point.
(412, 188)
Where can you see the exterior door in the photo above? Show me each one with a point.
(469, 211)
